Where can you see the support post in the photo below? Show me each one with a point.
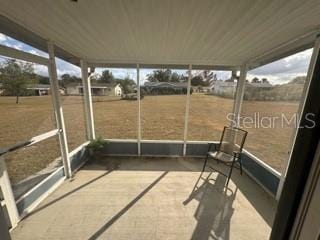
(312, 63)
(139, 109)
(88, 110)
(8, 197)
(239, 96)
(186, 118)
(58, 110)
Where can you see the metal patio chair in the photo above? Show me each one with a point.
(228, 151)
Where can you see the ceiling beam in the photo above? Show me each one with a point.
(20, 33)
(289, 48)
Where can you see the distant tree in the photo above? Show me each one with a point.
(175, 77)
(106, 77)
(127, 85)
(16, 76)
(264, 80)
(197, 81)
(43, 80)
(255, 80)
(67, 79)
(94, 77)
(160, 76)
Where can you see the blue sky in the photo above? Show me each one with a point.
(277, 72)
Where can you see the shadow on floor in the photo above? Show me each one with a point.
(244, 183)
(98, 233)
(68, 194)
(215, 209)
(146, 164)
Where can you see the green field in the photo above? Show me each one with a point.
(162, 117)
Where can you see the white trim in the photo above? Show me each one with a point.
(312, 64)
(42, 197)
(158, 141)
(202, 142)
(155, 65)
(162, 141)
(286, 49)
(75, 151)
(7, 193)
(262, 163)
(88, 109)
(38, 185)
(58, 110)
(239, 94)
(186, 117)
(139, 109)
(161, 156)
(78, 149)
(18, 54)
(43, 136)
(258, 182)
(121, 140)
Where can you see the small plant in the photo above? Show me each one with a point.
(97, 144)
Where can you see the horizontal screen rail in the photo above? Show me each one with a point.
(29, 142)
(18, 54)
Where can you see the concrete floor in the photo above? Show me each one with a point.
(151, 198)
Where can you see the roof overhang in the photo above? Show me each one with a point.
(206, 34)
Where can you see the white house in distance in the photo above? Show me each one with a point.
(224, 88)
(229, 88)
(40, 89)
(97, 89)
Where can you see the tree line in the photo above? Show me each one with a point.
(16, 76)
(203, 78)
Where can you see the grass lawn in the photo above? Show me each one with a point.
(162, 118)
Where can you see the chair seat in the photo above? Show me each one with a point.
(221, 156)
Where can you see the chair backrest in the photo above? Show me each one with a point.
(232, 139)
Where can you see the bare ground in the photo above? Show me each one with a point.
(162, 118)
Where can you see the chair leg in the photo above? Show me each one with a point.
(240, 162)
(230, 172)
(205, 163)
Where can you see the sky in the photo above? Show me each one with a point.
(278, 72)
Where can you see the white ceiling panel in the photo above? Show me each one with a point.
(202, 32)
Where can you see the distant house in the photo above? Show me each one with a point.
(164, 88)
(202, 89)
(39, 89)
(35, 90)
(224, 88)
(101, 89)
(229, 88)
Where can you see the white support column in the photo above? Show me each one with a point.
(139, 109)
(239, 95)
(312, 63)
(186, 118)
(87, 101)
(8, 196)
(58, 110)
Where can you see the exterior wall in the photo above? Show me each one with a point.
(118, 90)
(95, 91)
(225, 89)
(74, 90)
